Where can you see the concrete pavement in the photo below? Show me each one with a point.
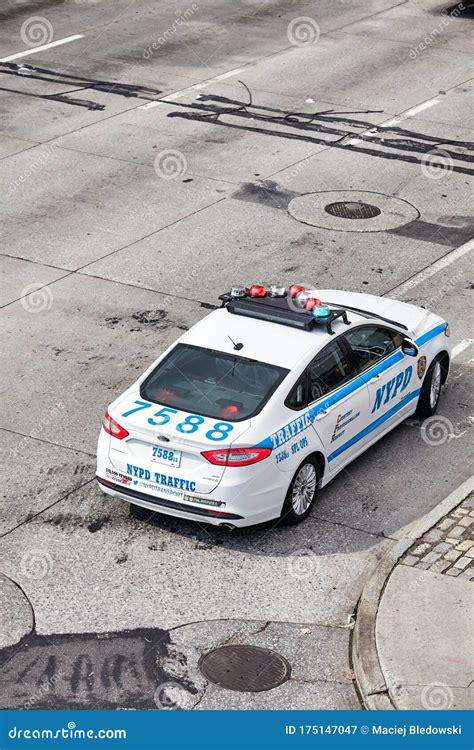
(413, 642)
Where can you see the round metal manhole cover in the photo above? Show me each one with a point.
(371, 212)
(245, 668)
(352, 210)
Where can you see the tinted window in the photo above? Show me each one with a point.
(328, 371)
(371, 343)
(212, 384)
(298, 397)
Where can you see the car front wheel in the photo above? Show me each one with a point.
(430, 390)
(301, 493)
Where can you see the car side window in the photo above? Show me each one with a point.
(330, 369)
(297, 397)
(372, 343)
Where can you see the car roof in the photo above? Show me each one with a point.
(265, 341)
(286, 346)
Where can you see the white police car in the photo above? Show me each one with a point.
(265, 400)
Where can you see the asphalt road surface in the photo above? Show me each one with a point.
(149, 153)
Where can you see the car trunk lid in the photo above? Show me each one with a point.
(162, 451)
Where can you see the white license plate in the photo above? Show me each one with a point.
(165, 456)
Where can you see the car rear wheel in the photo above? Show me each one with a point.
(430, 390)
(301, 493)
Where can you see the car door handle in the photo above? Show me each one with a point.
(374, 379)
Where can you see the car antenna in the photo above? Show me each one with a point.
(237, 347)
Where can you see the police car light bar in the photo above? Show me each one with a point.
(257, 302)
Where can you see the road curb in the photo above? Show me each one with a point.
(17, 620)
(368, 672)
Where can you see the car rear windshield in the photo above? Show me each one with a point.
(211, 383)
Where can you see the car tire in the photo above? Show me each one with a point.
(141, 514)
(301, 493)
(430, 390)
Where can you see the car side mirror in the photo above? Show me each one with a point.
(409, 348)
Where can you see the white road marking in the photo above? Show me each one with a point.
(42, 47)
(464, 344)
(412, 112)
(372, 132)
(194, 87)
(426, 273)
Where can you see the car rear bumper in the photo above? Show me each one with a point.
(163, 504)
(187, 510)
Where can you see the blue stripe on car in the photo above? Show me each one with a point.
(305, 419)
(430, 334)
(373, 426)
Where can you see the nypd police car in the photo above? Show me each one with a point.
(260, 404)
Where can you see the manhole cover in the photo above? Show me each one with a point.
(245, 668)
(373, 212)
(352, 210)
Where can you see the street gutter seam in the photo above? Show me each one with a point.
(47, 442)
(48, 507)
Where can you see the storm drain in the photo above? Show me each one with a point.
(352, 210)
(245, 668)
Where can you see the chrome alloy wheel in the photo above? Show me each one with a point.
(435, 385)
(304, 488)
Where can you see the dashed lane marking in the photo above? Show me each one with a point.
(396, 120)
(459, 348)
(431, 270)
(42, 47)
(194, 87)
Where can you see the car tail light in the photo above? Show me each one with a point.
(236, 456)
(105, 481)
(113, 428)
(257, 290)
(311, 302)
(446, 330)
(295, 289)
